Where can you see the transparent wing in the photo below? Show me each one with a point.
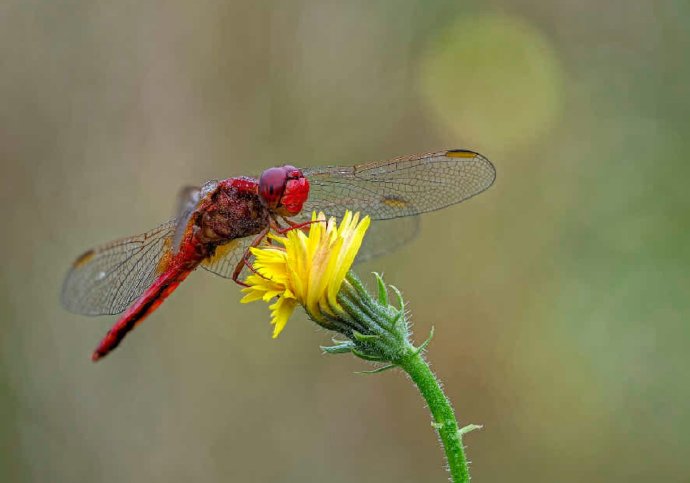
(399, 187)
(187, 199)
(227, 257)
(383, 237)
(386, 236)
(107, 279)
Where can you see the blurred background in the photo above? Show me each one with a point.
(559, 297)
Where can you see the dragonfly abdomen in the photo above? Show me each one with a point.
(164, 285)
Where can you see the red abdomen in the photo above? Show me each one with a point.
(147, 303)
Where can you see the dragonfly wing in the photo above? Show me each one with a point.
(399, 187)
(227, 257)
(187, 200)
(382, 237)
(107, 279)
(386, 236)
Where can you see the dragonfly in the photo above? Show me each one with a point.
(217, 223)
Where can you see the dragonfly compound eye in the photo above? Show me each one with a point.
(296, 193)
(292, 172)
(271, 185)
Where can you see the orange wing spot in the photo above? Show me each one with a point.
(221, 251)
(395, 202)
(460, 153)
(83, 259)
(166, 258)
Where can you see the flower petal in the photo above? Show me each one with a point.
(306, 268)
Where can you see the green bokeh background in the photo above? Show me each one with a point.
(560, 297)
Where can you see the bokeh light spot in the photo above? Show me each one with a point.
(494, 80)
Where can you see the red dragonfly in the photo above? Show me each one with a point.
(217, 223)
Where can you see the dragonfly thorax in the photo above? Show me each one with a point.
(233, 210)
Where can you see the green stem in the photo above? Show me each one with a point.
(442, 412)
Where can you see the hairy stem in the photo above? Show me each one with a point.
(442, 412)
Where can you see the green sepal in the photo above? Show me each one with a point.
(355, 312)
(357, 284)
(421, 348)
(396, 319)
(365, 337)
(377, 370)
(398, 295)
(358, 299)
(378, 330)
(367, 357)
(383, 291)
(339, 347)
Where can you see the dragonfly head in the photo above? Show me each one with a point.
(284, 190)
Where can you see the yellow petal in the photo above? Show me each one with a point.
(281, 311)
(305, 268)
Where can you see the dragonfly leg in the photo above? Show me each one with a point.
(295, 226)
(244, 262)
(275, 226)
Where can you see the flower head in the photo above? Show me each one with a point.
(313, 270)
(306, 269)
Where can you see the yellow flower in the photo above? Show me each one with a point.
(306, 269)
